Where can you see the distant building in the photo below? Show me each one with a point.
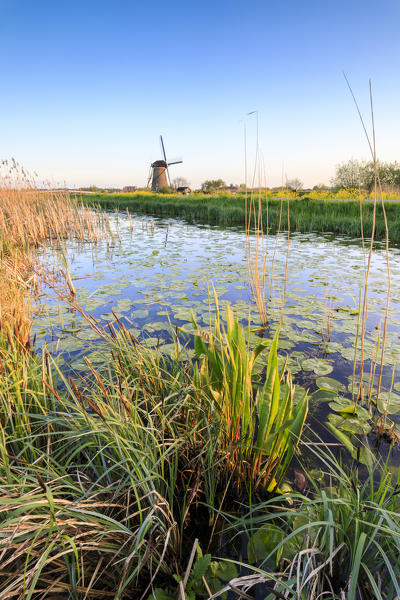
(184, 190)
(233, 189)
(129, 188)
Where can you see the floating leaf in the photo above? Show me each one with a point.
(141, 313)
(263, 542)
(330, 384)
(318, 365)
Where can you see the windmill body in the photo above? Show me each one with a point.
(159, 174)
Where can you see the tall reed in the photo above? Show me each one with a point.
(30, 217)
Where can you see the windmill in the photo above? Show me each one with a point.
(159, 173)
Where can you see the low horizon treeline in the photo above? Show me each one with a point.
(352, 175)
(356, 174)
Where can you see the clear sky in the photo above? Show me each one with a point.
(88, 86)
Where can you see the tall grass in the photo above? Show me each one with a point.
(341, 540)
(258, 429)
(306, 214)
(31, 217)
(105, 478)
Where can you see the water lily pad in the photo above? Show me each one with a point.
(140, 313)
(389, 403)
(329, 383)
(318, 365)
(151, 342)
(351, 424)
(123, 304)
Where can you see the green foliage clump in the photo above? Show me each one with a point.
(118, 467)
(212, 185)
(308, 214)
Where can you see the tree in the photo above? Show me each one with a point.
(361, 174)
(349, 174)
(180, 182)
(294, 184)
(212, 185)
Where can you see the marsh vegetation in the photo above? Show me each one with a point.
(311, 213)
(188, 410)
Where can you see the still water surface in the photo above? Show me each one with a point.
(162, 271)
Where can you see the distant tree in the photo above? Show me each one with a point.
(349, 174)
(355, 174)
(320, 187)
(396, 173)
(180, 182)
(212, 185)
(294, 184)
(388, 175)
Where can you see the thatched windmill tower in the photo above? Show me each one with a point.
(159, 173)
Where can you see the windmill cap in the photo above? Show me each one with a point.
(159, 163)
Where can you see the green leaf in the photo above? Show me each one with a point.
(160, 594)
(199, 570)
(263, 543)
(356, 566)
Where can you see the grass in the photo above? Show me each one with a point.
(105, 479)
(108, 478)
(31, 217)
(306, 214)
(341, 540)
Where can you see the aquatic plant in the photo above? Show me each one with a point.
(258, 427)
(117, 465)
(30, 217)
(306, 214)
(340, 540)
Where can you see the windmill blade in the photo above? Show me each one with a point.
(163, 149)
(175, 162)
(149, 177)
(169, 178)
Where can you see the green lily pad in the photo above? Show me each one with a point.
(389, 403)
(151, 342)
(141, 313)
(330, 384)
(318, 365)
(263, 542)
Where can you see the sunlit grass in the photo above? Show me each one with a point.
(306, 214)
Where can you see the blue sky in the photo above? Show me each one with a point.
(87, 87)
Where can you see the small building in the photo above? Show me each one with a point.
(232, 189)
(184, 190)
(129, 188)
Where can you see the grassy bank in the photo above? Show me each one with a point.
(120, 481)
(108, 483)
(306, 214)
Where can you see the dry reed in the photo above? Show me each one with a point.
(30, 217)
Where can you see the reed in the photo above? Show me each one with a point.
(339, 217)
(341, 540)
(117, 467)
(377, 194)
(31, 217)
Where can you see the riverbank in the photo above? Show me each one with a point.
(305, 214)
(114, 472)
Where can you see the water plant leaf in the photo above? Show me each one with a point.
(350, 424)
(330, 384)
(263, 542)
(140, 313)
(318, 365)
